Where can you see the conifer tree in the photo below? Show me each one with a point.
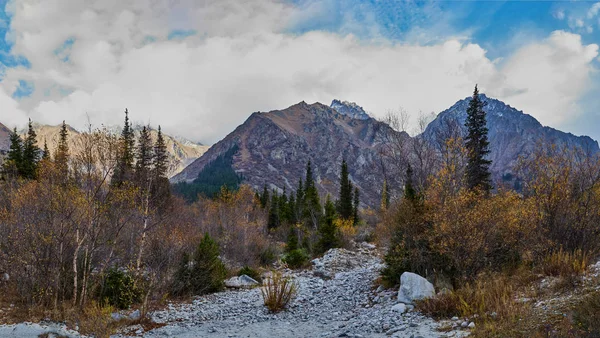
(274, 218)
(61, 155)
(14, 158)
(45, 152)
(409, 190)
(385, 196)
(477, 144)
(355, 205)
(312, 204)
(143, 159)
(124, 167)
(209, 272)
(328, 234)
(161, 188)
(31, 154)
(345, 200)
(264, 198)
(161, 157)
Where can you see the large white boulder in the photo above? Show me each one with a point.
(414, 287)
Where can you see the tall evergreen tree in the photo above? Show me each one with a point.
(45, 152)
(61, 155)
(31, 154)
(477, 144)
(161, 188)
(274, 217)
(328, 233)
(312, 204)
(345, 200)
(14, 158)
(143, 159)
(126, 156)
(161, 156)
(385, 196)
(409, 191)
(356, 205)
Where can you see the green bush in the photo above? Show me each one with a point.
(587, 314)
(296, 259)
(248, 271)
(204, 274)
(119, 289)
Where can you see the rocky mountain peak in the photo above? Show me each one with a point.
(350, 109)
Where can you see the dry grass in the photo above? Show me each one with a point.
(562, 263)
(278, 291)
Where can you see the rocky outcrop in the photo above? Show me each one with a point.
(274, 148)
(350, 109)
(4, 138)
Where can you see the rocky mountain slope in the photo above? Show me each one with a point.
(512, 133)
(274, 148)
(350, 109)
(181, 152)
(4, 138)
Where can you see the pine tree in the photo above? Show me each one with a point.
(355, 205)
(312, 204)
(14, 158)
(274, 217)
(124, 167)
(161, 157)
(385, 196)
(161, 188)
(61, 155)
(264, 198)
(328, 234)
(143, 159)
(31, 154)
(345, 200)
(45, 152)
(409, 190)
(477, 144)
(209, 272)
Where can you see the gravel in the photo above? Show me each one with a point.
(344, 303)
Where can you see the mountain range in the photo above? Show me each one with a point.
(182, 152)
(274, 147)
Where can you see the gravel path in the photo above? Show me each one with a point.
(343, 304)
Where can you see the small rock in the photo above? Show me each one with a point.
(400, 308)
(464, 324)
(135, 315)
(471, 325)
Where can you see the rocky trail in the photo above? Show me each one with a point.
(335, 299)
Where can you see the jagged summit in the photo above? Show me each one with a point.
(350, 109)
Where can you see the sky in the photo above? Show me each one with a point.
(199, 68)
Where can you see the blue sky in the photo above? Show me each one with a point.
(66, 59)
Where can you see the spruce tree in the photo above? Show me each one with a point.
(477, 144)
(409, 190)
(14, 158)
(274, 217)
(355, 205)
(124, 167)
(328, 234)
(312, 204)
(61, 155)
(385, 196)
(264, 198)
(31, 154)
(45, 152)
(345, 199)
(161, 188)
(143, 159)
(209, 272)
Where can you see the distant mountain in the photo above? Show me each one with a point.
(181, 152)
(4, 138)
(274, 147)
(350, 109)
(512, 133)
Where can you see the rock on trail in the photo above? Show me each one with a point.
(345, 304)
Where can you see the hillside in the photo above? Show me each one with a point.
(181, 152)
(274, 148)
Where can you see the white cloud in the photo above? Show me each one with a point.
(593, 11)
(560, 14)
(241, 60)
